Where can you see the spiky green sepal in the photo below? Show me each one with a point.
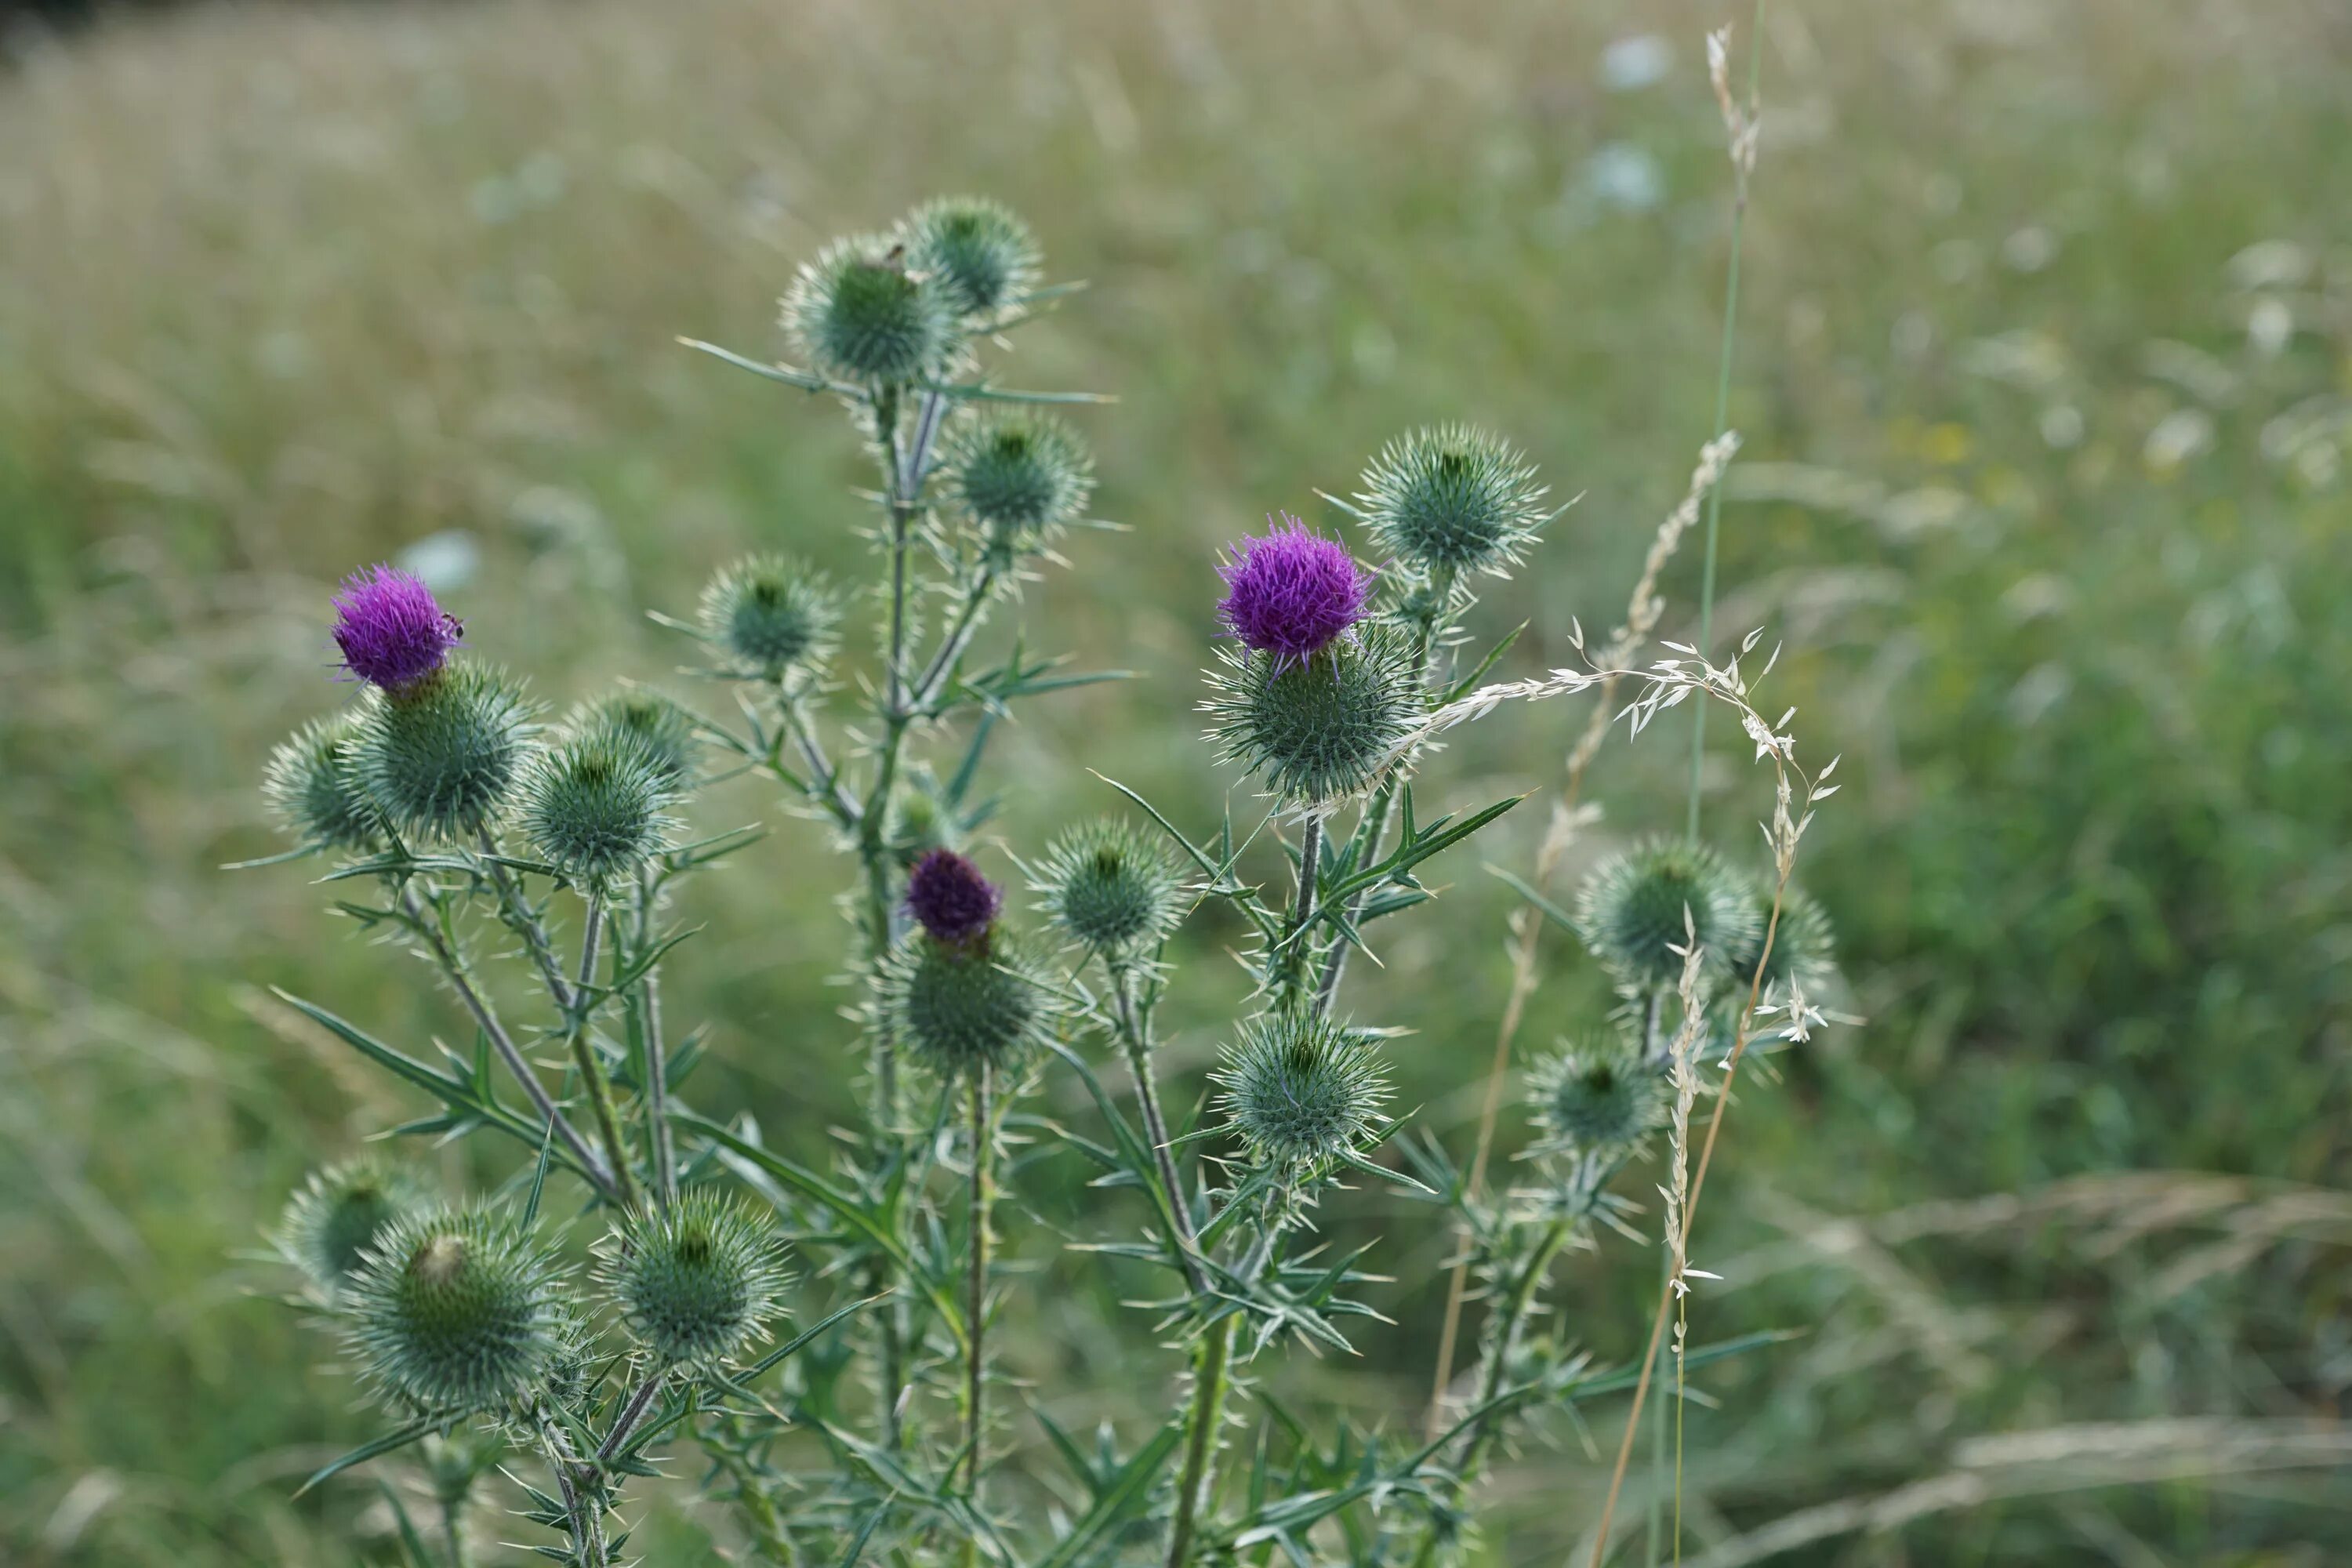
(340, 1212)
(1630, 912)
(1597, 1098)
(1453, 499)
(593, 805)
(1318, 730)
(441, 754)
(698, 1281)
(459, 1311)
(960, 1006)
(978, 252)
(310, 785)
(1301, 1090)
(771, 616)
(861, 314)
(1109, 889)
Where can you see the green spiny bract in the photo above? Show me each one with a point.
(772, 614)
(1630, 912)
(1319, 729)
(1804, 948)
(962, 1006)
(592, 805)
(696, 1282)
(457, 1311)
(860, 313)
(1586, 1101)
(979, 253)
(310, 784)
(441, 754)
(658, 728)
(337, 1215)
(1301, 1090)
(1018, 475)
(1451, 500)
(1108, 888)
(921, 818)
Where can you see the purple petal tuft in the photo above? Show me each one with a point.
(949, 899)
(390, 628)
(1291, 592)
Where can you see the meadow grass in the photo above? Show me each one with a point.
(2050, 512)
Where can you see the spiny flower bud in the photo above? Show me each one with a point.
(1589, 1101)
(337, 1215)
(1019, 476)
(921, 818)
(962, 1006)
(772, 613)
(653, 724)
(457, 1311)
(391, 629)
(592, 805)
(310, 784)
(1301, 1089)
(1320, 729)
(1804, 948)
(1290, 593)
(949, 899)
(861, 314)
(979, 253)
(697, 1280)
(1452, 500)
(1629, 911)
(440, 753)
(1109, 889)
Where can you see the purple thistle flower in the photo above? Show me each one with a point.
(1291, 592)
(390, 628)
(949, 899)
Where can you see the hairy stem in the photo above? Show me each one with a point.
(1135, 1039)
(976, 1288)
(960, 635)
(659, 1150)
(523, 921)
(1207, 1412)
(582, 1507)
(445, 954)
(599, 1089)
(631, 1414)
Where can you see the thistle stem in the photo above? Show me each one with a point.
(631, 1414)
(1207, 1414)
(525, 923)
(1290, 969)
(1135, 1038)
(983, 1150)
(454, 966)
(960, 636)
(593, 1080)
(656, 1085)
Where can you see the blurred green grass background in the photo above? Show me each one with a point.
(2046, 375)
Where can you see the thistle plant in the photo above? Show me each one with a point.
(463, 830)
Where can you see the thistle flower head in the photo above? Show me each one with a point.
(391, 630)
(441, 754)
(1318, 730)
(772, 613)
(310, 784)
(1805, 946)
(646, 721)
(1629, 911)
(457, 1311)
(980, 254)
(1591, 1100)
(1290, 591)
(1452, 500)
(1109, 889)
(699, 1281)
(337, 1216)
(592, 804)
(949, 899)
(1301, 1090)
(960, 1006)
(861, 314)
(1019, 475)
